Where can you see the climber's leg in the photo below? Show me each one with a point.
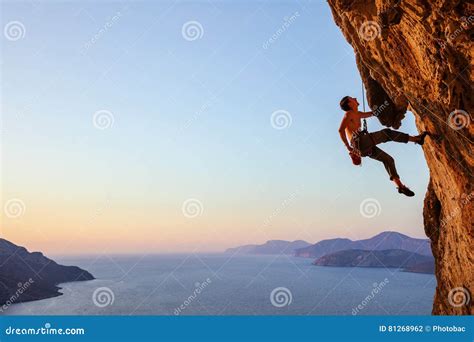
(387, 160)
(389, 164)
(398, 182)
(388, 134)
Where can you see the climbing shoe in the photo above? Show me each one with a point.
(404, 190)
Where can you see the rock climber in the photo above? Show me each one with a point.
(364, 144)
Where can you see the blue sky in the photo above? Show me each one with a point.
(191, 119)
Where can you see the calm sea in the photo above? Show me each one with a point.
(220, 284)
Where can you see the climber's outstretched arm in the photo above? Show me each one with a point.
(364, 115)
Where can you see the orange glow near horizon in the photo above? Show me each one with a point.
(111, 227)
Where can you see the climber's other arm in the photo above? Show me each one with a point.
(342, 132)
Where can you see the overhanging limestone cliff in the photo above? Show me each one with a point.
(417, 55)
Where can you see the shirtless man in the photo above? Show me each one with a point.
(365, 143)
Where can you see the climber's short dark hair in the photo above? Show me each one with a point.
(345, 103)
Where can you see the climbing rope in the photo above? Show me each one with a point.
(364, 127)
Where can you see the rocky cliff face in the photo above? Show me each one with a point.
(26, 276)
(417, 55)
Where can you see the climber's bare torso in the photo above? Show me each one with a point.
(351, 122)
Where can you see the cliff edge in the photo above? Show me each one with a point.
(26, 276)
(417, 55)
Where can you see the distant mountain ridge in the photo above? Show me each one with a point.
(384, 241)
(270, 247)
(26, 276)
(389, 258)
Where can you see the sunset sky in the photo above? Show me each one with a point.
(186, 125)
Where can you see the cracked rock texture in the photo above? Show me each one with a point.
(416, 55)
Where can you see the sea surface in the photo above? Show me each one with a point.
(221, 284)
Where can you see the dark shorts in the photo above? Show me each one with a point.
(366, 144)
